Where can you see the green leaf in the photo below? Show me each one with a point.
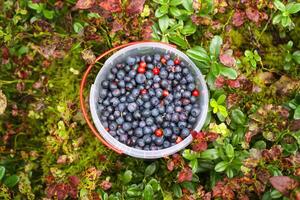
(297, 113)
(198, 53)
(189, 28)
(162, 2)
(260, 145)
(155, 184)
(134, 191)
(215, 46)
(286, 21)
(280, 6)
(11, 181)
(238, 116)
(148, 192)
(36, 6)
(209, 154)
(213, 103)
(229, 151)
(161, 11)
(221, 99)
(175, 11)
(275, 194)
(229, 173)
(189, 185)
(49, 14)
(177, 190)
(175, 2)
(221, 166)
(179, 40)
(293, 8)
(189, 154)
(188, 5)
(77, 27)
(194, 165)
(163, 23)
(228, 72)
(296, 57)
(150, 169)
(2, 172)
(22, 50)
(248, 54)
(127, 176)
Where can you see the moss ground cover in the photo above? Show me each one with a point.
(248, 50)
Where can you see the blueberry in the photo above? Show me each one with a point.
(187, 94)
(123, 138)
(147, 105)
(113, 133)
(195, 112)
(167, 56)
(105, 84)
(137, 114)
(121, 84)
(161, 109)
(129, 86)
(148, 59)
(184, 133)
(135, 92)
(123, 91)
(178, 76)
(178, 109)
(182, 116)
(145, 97)
(193, 99)
(151, 92)
(103, 93)
(132, 74)
(111, 117)
(126, 126)
(110, 109)
(140, 78)
(156, 85)
(173, 138)
(150, 66)
(147, 139)
(167, 132)
(129, 117)
(153, 148)
(170, 109)
(121, 107)
(146, 113)
(155, 112)
(183, 81)
(191, 86)
(110, 77)
(175, 117)
(163, 74)
(157, 57)
(190, 78)
(140, 102)
(156, 79)
(132, 107)
(170, 62)
(143, 58)
(168, 116)
(109, 95)
(127, 79)
(130, 99)
(138, 132)
(135, 124)
(133, 140)
(137, 59)
(159, 140)
(120, 120)
(141, 142)
(153, 127)
(185, 101)
(171, 76)
(149, 121)
(166, 144)
(164, 83)
(170, 97)
(121, 74)
(182, 124)
(130, 132)
(147, 148)
(113, 70)
(114, 101)
(142, 124)
(185, 70)
(177, 95)
(147, 130)
(176, 130)
(154, 101)
(105, 113)
(149, 75)
(130, 60)
(113, 126)
(192, 119)
(116, 92)
(159, 119)
(178, 68)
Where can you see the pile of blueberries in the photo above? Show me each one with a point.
(149, 102)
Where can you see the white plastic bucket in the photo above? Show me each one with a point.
(139, 50)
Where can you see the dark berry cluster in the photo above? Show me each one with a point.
(149, 102)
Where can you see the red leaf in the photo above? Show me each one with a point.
(117, 26)
(84, 4)
(211, 136)
(227, 60)
(135, 7)
(252, 14)
(111, 5)
(170, 165)
(283, 183)
(147, 30)
(105, 185)
(185, 174)
(233, 83)
(238, 18)
(199, 146)
(219, 82)
(74, 181)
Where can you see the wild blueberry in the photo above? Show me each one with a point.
(182, 124)
(114, 101)
(164, 83)
(113, 133)
(121, 74)
(149, 75)
(166, 144)
(140, 102)
(191, 86)
(150, 66)
(185, 71)
(140, 78)
(129, 117)
(167, 56)
(132, 107)
(112, 126)
(178, 68)
(185, 101)
(116, 92)
(130, 132)
(132, 73)
(192, 119)
(175, 117)
(142, 124)
(193, 99)
(105, 84)
(195, 112)
(141, 142)
(138, 132)
(159, 140)
(170, 62)
(121, 107)
(157, 57)
(163, 74)
(159, 119)
(148, 59)
(156, 85)
(158, 92)
(167, 132)
(154, 101)
(190, 78)
(110, 77)
(129, 86)
(123, 138)
(113, 70)
(130, 99)
(127, 68)
(146, 113)
(187, 94)
(111, 117)
(120, 120)
(178, 109)
(183, 81)
(161, 109)
(171, 76)
(178, 76)
(184, 133)
(149, 121)
(182, 116)
(106, 102)
(176, 130)
(126, 126)
(137, 114)
(135, 124)
(147, 130)
(130, 60)
(103, 93)
(155, 112)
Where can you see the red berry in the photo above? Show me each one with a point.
(163, 60)
(155, 70)
(159, 132)
(178, 140)
(141, 70)
(195, 93)
(143, 64)
(143, 91)
(165, 93)
(176, 61)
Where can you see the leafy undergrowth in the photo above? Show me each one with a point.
(248, 50)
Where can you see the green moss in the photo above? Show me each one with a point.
(236, 38)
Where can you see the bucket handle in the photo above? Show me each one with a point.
(82, 85)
